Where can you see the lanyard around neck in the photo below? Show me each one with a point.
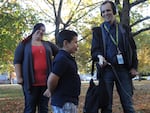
(115, 42)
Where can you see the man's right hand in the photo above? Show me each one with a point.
(102, 61)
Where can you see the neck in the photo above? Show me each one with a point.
(36, 42)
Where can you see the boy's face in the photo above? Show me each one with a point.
(72, 46)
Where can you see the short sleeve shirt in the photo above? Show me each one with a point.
(68, 88)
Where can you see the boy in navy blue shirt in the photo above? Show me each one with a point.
(64, 81)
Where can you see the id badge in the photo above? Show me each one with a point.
(120, 59)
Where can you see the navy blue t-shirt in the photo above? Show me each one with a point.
(68, 88)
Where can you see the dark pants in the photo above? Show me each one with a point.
(35, 99)
(124, 88)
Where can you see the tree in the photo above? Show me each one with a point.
(124, 14)
(136, 23)
(143, 52)
(83, 54)
(65, 14)
(81, 16)
(14, 22)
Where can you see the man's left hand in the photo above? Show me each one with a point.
(134, 72)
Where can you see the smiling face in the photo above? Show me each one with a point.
(107, 13)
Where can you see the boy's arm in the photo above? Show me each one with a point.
(52, 82)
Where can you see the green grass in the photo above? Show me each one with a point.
(10, 91)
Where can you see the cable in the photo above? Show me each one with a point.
(114, 71)
(101, 61)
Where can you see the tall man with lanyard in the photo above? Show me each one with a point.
(113, 44)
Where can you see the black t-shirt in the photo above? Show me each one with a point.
(68, 88)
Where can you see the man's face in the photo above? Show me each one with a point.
(107, 12)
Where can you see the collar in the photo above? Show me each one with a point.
(67, 54)
(110, 26)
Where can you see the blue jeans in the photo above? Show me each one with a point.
(35, 99)
(67, 108)
(124, 88)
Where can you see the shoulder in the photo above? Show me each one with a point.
(61, 60)
(125, 27)
(48, 43)
(96, 29)
(60, 56)
(20, 48)
(21, 45)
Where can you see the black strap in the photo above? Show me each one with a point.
(115, 73)
(92, 70)
(103, 39)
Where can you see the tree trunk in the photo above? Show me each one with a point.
(125, 16)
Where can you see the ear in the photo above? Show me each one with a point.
(65, 42)
(101, 12)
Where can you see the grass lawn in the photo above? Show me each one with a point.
(11, 98)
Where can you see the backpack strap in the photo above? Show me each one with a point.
(92, 70)
(103, 39)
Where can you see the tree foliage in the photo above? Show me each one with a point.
(79, 15)
(14, 22)
(143, 43)
(65, 14)
(126, 14)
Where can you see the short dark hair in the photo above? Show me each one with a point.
(65, 35)
(113, 6)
